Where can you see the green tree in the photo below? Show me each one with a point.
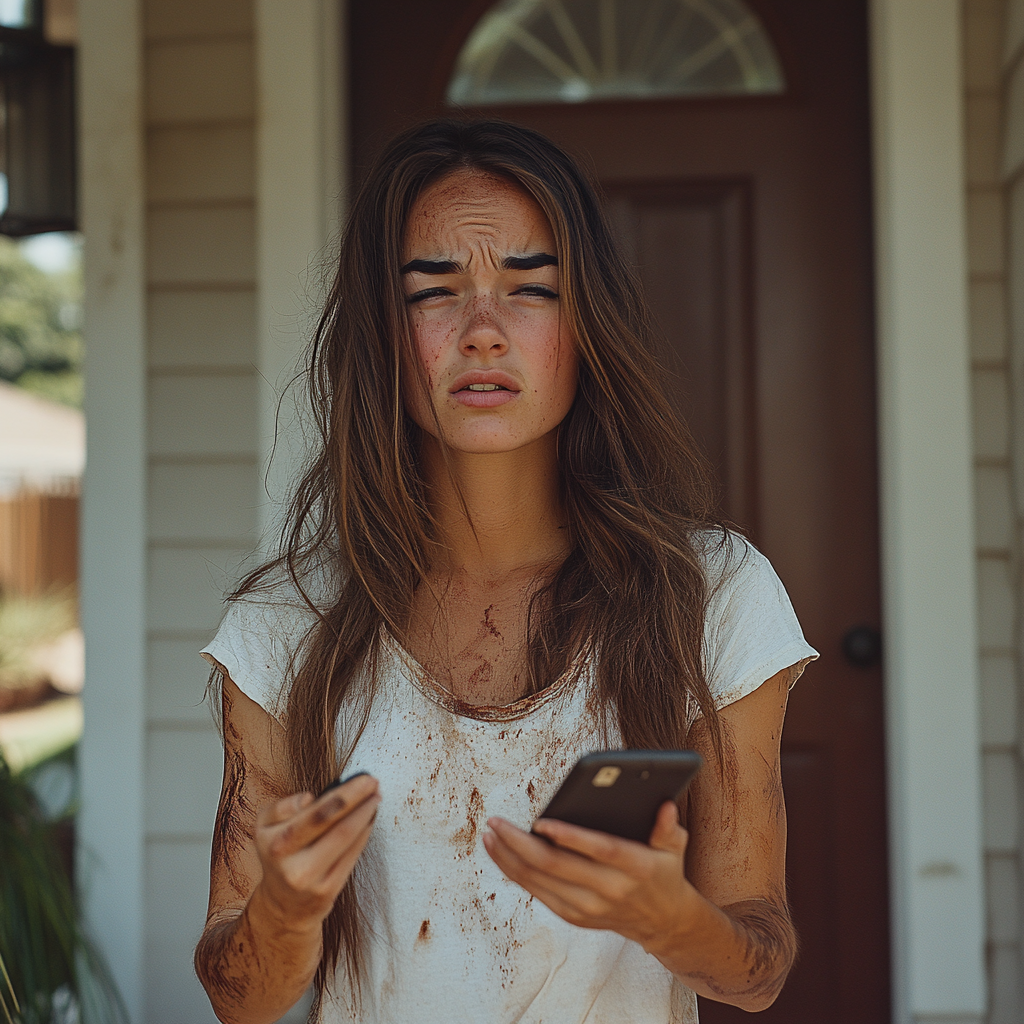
(40, 329)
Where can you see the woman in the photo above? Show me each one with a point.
(503, 555)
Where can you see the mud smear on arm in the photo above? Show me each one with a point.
(234, 969)
(769, 941)
(226, 961)
(247, 786)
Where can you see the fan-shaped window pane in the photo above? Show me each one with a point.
(19, 13)
(570, 51)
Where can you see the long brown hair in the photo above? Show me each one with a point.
(637, 494)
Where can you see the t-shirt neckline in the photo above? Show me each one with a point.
(426, 684)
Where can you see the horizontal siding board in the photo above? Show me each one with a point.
(214, 245)
(993, 525)
(184, 768)
(1000, 702)
(988, 321)
(176, 682)
(996, 604)
(1013, 133)
(208, 328)
(197, 415)
(1001, 806)
(199, 81)
(187, 587)
(203, 502)
(184, 19)
(200, 163)
(177, 888)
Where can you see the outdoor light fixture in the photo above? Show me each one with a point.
(37, 118)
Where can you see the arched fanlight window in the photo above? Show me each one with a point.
(571, 51)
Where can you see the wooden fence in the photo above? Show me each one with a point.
(38, 542)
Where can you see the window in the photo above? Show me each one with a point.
(572, 51)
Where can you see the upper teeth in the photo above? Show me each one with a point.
(485, 387)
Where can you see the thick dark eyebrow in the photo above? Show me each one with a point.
(431, 267)
(532, 262)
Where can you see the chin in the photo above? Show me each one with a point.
(492, 446)
(488, 443)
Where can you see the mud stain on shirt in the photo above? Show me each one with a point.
(465, 837)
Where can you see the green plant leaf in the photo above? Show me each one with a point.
(44, 950)
(10, 990)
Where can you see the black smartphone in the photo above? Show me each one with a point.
(620, 791)
(339, 782)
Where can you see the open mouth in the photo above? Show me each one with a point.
(484, 387)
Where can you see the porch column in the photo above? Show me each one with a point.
(927, 515)
(301, 174)
(111, 823)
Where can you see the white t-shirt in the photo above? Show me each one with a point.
(453, 940)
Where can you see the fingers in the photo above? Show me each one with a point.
(298, 821)
(613, 851)
(519, 862)
(668, 834)
(345, 864)
(335, 852)
(282, 810)
(544, 865)
(302, 885)
(592, 879)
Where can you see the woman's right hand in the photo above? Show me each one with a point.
(279, 862)
(308, 848)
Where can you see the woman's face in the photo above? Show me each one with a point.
(480, 273)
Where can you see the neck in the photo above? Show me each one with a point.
(515, 516)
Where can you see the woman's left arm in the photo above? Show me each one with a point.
(709, 903)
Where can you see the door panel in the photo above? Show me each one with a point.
(690, 243)
(749, 220)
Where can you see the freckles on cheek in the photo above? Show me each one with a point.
(430, 346)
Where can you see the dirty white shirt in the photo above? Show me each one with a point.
(454, 941)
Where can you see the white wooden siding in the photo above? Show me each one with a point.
(173, 693)
(205, 245)
(199, 80)
(214, 327)
(214, 502)
(195, 163)
(203, 481)
(202, 413)
(172, 993)
(989, 84)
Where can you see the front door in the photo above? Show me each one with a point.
(749, 219)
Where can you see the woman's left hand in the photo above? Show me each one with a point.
(725, 929)
(596, 880)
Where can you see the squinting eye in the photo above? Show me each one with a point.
(537, 289)
(427, 293)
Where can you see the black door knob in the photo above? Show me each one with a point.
(862, 646)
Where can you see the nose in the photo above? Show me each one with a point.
(484, 334)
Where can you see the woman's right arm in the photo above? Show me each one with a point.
(278, 864)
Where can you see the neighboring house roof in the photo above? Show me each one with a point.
(42, 444)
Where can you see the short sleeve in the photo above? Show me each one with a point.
(750, 631)
(257, 643)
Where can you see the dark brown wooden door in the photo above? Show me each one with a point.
(749, 219)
